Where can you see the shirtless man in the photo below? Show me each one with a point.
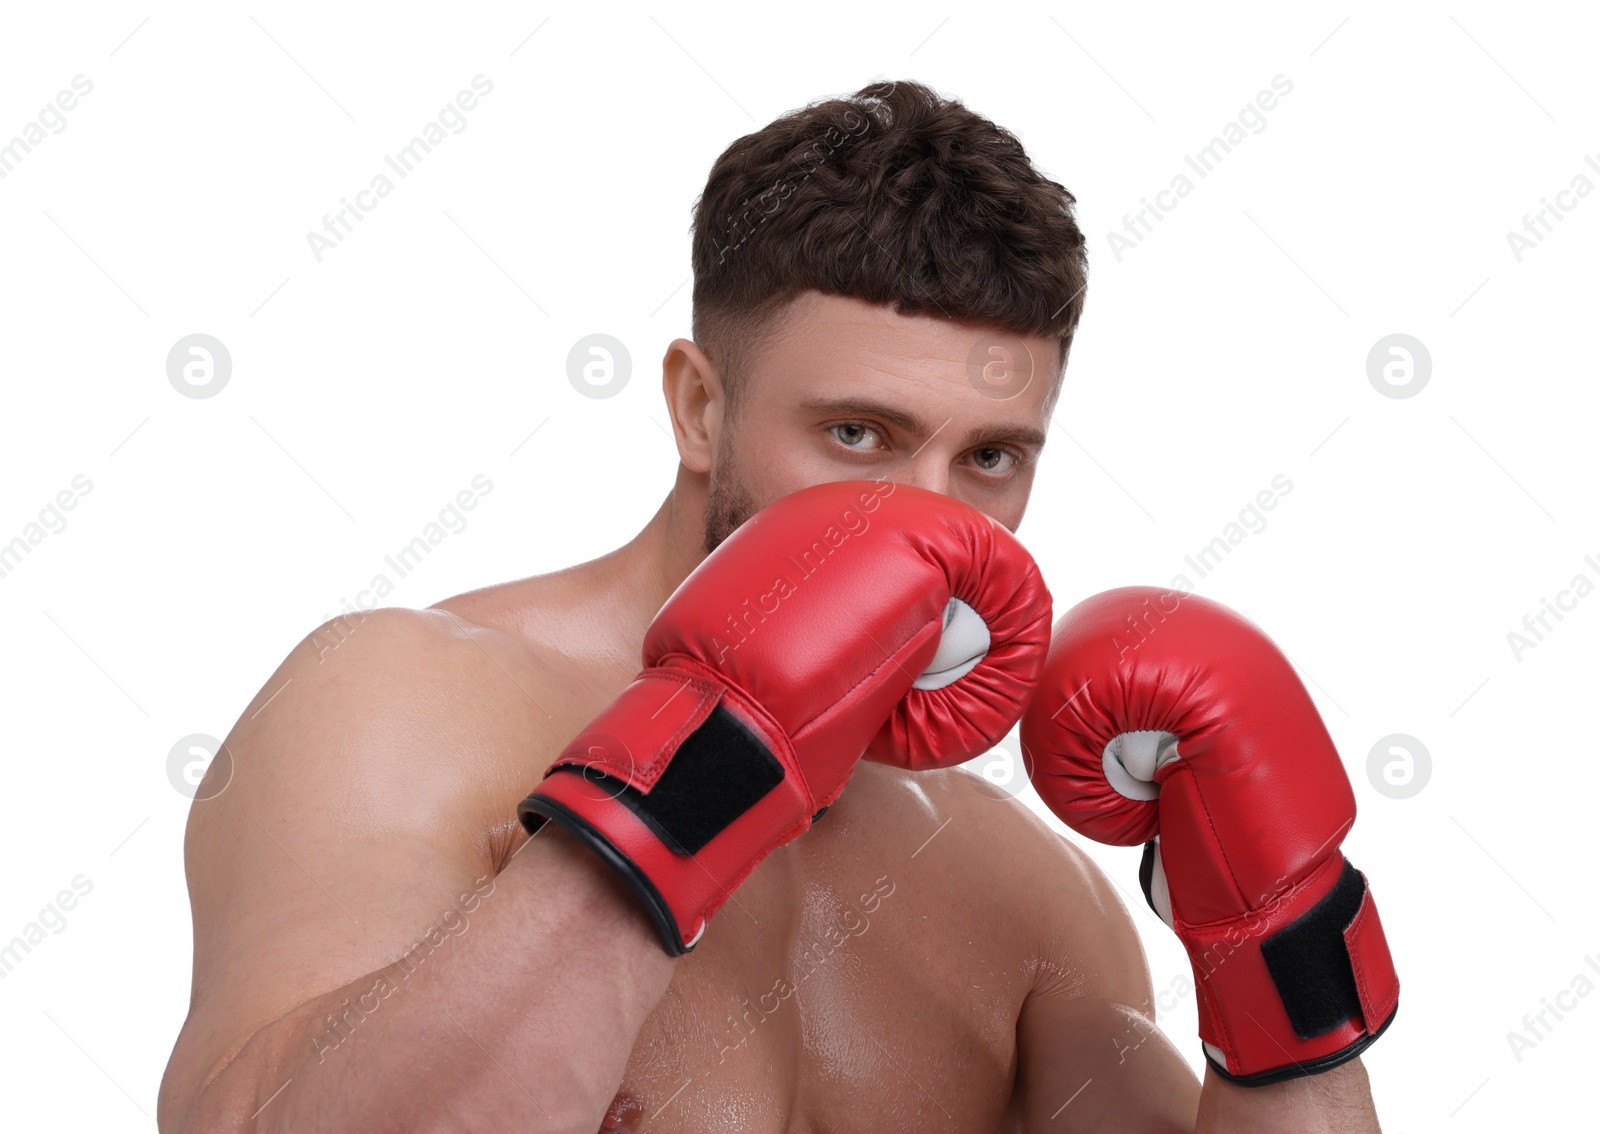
(379, 945)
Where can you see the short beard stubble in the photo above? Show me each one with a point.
(728, 502)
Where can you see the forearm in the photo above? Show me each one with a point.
(1334, 1102)
(529, 1018)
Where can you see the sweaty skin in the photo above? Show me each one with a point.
(379, 946)
(869, 975)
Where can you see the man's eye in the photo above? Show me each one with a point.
(990, 459)
(853, 434)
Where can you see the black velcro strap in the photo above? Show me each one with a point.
(1310, 963)
(718, 773)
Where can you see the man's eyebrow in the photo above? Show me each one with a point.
(1017, 434)
(1024, 435)
(867, 407)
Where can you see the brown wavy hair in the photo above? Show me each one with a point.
(893, 195)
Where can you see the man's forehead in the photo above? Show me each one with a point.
(851, 336)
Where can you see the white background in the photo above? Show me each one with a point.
(1228, 347)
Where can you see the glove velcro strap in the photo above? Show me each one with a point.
(1297, 987)
(677, 788)
(718, 773)
(1310, 963)
(671, 751)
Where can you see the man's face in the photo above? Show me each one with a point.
(854, 391)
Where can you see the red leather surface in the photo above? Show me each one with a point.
(810, 623)
(1376, 981)
(1250, 815)
(828, 603)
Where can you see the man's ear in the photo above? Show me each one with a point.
(693, 390)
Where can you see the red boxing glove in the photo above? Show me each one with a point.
(1168, 719)
(848, 619)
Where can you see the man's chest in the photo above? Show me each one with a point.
(850, 984)
(850, 1023)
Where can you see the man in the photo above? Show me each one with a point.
(885, 291)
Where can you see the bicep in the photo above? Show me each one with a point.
(1091, 1064)
(345, 837)
(1090, 1056)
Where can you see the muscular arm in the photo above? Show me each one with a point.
(358, 964)
(1091, 1059)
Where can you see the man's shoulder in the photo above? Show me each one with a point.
(390, 654)
(391, 694)
(972, 808)
(554, 614)
(508, 635)
(988, 844)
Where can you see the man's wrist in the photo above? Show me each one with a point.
(1338, 1101)
(579, 894)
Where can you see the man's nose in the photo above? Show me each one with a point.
(929, 470)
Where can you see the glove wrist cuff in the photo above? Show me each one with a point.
(681, 786)
(1297, 987)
